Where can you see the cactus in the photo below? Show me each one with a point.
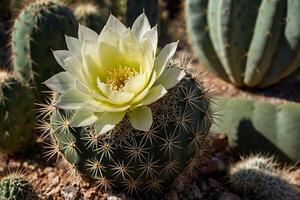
(260, 126)
(91, 15)
(134, 160)
(15, 185)
(17, 118)
(260, 178)
(38, 29)
(250, 43)
(136, 7)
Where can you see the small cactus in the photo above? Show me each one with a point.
(15, 186)
(262, 179)
(38, 29)
(17, 118)
(134, 160)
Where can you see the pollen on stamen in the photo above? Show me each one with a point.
(118, 77)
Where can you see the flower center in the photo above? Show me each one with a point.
(117, 78)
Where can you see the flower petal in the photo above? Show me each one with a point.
(61, 82)
(73, 66)
(140, 26)
(61, 55)
(91, 48)
(74, 45)
(107, 121)
(141, 118)
(171, 77)
(136, 83)
(154, 94)
(152, 35)
(115, 24)
(85, 33)
(110, 56)
(109, 36)
(72, 99)
(83, 117)
(164, 57)
(119, 98)
(83, 88)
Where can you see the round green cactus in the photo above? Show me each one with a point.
(135, 160)
(15, 186)
(39, 29)
(259, 177)
(17, 118)
(249, 43)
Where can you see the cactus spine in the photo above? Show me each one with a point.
(262, 179)
(16, 186)
(91, 15)
(38, 29)
(17, 119)
(133, 160)
(249, 43)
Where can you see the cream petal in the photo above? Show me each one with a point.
(61, 55)
(61, 82)
(140, 26)
(92, 49)
(73, 66)
(72, 99)
(74, 45)
(109, 36)
(144, 92)
(105, 90)
(83, 117)
(91, 70)
(153, 95)
(164, 57)
(152, 35)
(110, 56)
(170, 77)
(136, 84)
(115, 24)
(120, 98)
(107, 121)
(85, 33)
(83, 88)
(141, 118)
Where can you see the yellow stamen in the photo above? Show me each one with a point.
(118, 77)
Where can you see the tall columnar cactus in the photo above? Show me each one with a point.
(39, 29)
(135, 160)
(260, 126)
(17, 118)
(16, 186)
(91, 15)
(246, 42)
(260, 178)
(136, 7)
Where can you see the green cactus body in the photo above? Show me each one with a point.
(17, 118)
(15, 186)
(260, 126)
(91, 15)
(137, 161)
(136, 7)
(259, 178)
(249, 43)
(38, 29)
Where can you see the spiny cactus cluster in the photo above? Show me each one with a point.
(15, 186)
(38, 29)
(134, 160)
(91, 15)
(261, 178)
(17, 118)
(246, 42)
(254, 125)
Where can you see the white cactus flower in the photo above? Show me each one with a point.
(113, 74)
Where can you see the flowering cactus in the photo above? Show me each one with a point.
(113, 74)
